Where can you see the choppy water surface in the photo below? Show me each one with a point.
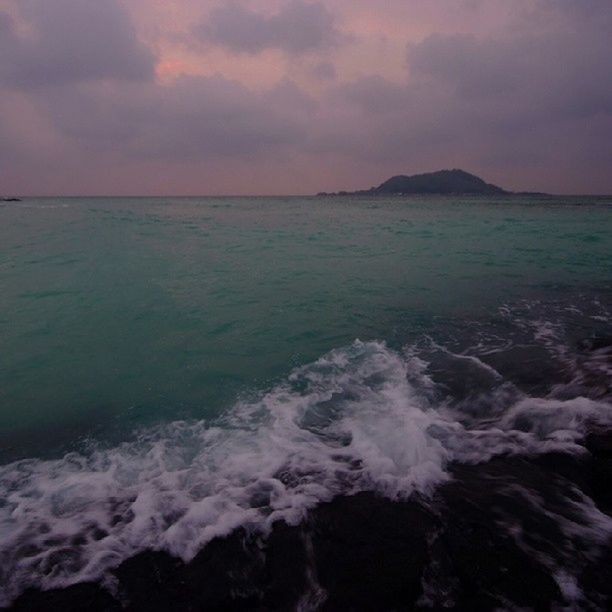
(173, 368)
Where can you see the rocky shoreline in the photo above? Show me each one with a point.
(506, 534)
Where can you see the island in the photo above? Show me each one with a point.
(442, 182)
(10, 200)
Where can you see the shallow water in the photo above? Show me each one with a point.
(173, 368)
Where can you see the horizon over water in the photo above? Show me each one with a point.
(176, 367)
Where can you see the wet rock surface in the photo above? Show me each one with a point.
(515, 532)
(90, 597)
(370, 553)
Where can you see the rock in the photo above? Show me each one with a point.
(153, 581)
(77, 598)
(370, 552)
(493, 537)
(228, 574)
(288, 577)
(599, 444)
(530, 368)
(595, 343)
(237, 572)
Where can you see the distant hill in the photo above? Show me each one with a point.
(435, 183)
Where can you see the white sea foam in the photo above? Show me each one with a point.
(359, 418)
(347, 422)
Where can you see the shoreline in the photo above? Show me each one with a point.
(485, 539)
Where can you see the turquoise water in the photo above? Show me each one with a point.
(119, 312)
(172, 369)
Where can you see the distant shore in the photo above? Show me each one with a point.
(454, 182)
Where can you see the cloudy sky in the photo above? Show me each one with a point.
(298, 96)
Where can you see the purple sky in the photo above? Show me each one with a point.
(298, 96)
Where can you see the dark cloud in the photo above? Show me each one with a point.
(193, 118)
(375, 94)
(70, 41)
(558, 73)
(298, 27)
(6, 26)
(325, 71)
(528, 106)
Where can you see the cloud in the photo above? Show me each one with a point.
(191, 118)
(375, 94)
(558, 73)
(69, 41)
(298, 27)
(525, 98)
(325, 71)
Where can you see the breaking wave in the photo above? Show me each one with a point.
(362, 417)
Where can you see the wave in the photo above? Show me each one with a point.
(361, 418)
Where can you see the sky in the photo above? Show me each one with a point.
(208, 97)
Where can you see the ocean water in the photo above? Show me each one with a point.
(173, 368)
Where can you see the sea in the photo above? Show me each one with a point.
(174, 368)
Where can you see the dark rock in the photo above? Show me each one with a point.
(287, 571)
(237, 572)
(484, 558)
(228, 574)
(599, 444)
(530, 368)
(490, 567)
(596, 580)
(491, 538)
(370, 552)
(89, 597)
(596, 343)
(153, 581)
